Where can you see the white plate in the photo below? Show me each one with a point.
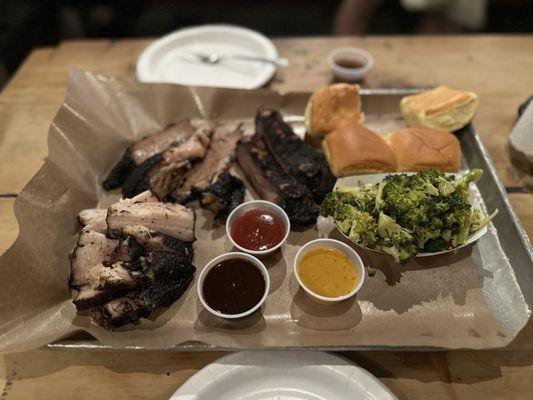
(358, 180)
(282, 375)
(169, 58)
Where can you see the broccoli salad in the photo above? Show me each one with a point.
(408, 214)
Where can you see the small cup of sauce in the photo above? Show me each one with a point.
(258, 227)
(350, 63)
(233, 285)
(329, 271)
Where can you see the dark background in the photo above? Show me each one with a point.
(25, 24)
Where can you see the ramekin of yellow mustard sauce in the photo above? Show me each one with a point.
(328, 270)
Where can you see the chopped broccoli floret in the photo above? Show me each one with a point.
(380, 203)
(479, 221)
(407, 214)
(401, 255)
(364, 229)
(435, 244)
(389, 229)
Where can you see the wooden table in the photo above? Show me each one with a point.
(498, 68)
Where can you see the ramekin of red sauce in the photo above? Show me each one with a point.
(258, 227)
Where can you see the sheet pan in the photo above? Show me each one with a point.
(479, 298)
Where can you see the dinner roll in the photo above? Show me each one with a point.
(353, 149)
(417, 149)
(441, 108)
(331, 106)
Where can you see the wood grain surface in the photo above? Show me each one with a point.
(498, 68)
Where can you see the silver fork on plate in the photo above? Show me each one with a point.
(213, 58)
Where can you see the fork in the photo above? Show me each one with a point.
(213, 58)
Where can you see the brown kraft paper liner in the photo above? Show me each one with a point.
(437, 303)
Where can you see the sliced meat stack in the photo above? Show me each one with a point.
(149, 146)
(163, 172)
(183, 162)
(141, 260)
(284, 169)
(210, 181)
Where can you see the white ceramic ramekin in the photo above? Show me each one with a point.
(332, 243)
(350, 53)
(252, 205)
(232, 256)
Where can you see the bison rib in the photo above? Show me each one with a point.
(295, 157)
(255, 174)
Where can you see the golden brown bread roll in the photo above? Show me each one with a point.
(331, 106)
(441, 108)
(353, 149)
(417, 149)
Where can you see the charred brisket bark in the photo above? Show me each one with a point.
(138, 180)
(120, 171)
(170, 276)
(223, 195)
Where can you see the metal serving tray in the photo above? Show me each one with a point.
(504, 257)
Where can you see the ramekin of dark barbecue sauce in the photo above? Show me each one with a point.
(258, 227)
(233, 285)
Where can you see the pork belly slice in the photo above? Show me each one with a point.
(295, 157)
(163, 172)
(88, 297)
(144, 197)
(170, 275)
(93, 248)
(217, 160)
(157, 241)
(108, 283)
(127, 251)
(116, 276)
(93, 219)
(171, 219)
(112, 276)
(223, 195)
(116, 313)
